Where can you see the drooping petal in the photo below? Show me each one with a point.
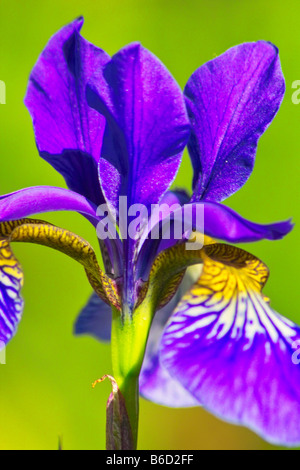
(212, 219)
(68, 132)
(226, 224)
(147, 126)
(219, 221)
(156, 384)
(11, 302)
(39, 199)
(11, 274)
(94, 319)
(231, 100)
(232, 352)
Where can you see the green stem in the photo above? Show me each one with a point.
(129, 338)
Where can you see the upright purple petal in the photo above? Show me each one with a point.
(68, 132)
(232, 352)
(147, 126)
(231, 100)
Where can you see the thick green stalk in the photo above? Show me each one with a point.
(129, 338)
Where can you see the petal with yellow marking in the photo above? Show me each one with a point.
(232, 352)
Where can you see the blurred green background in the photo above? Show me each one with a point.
(45, 387)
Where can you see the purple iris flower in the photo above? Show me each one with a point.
(118, 126)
